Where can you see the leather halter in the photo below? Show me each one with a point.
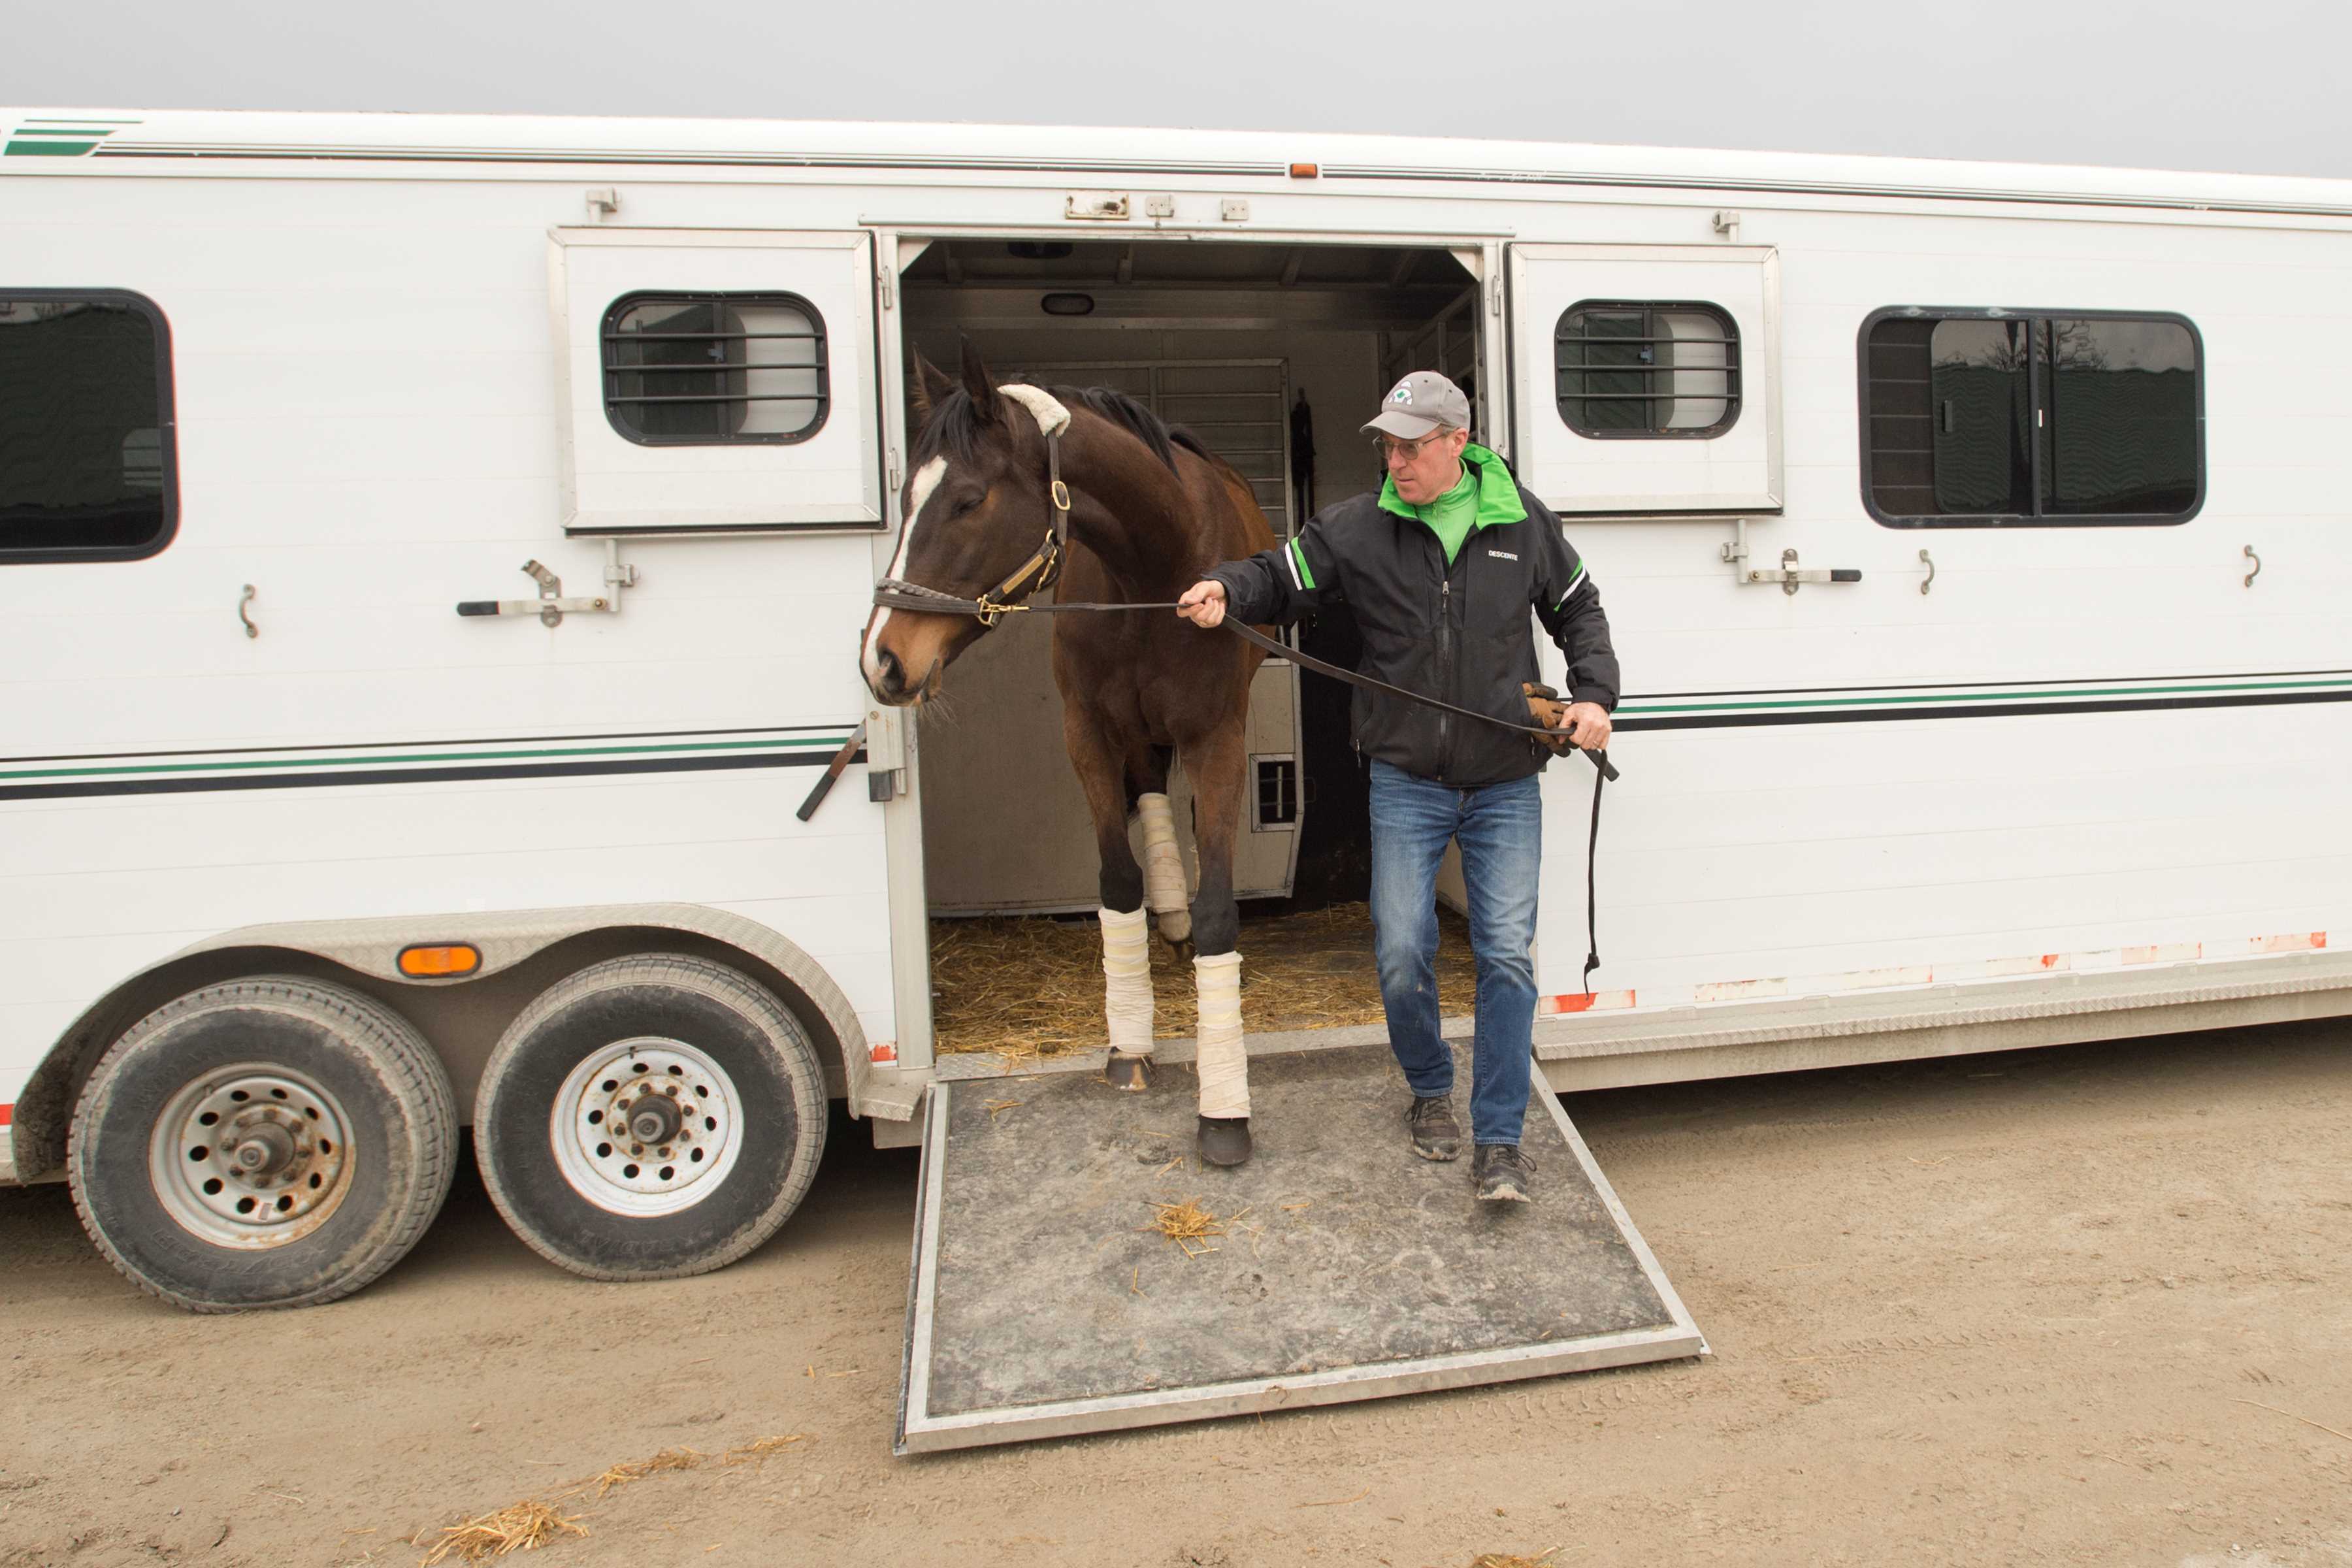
(1045, 563)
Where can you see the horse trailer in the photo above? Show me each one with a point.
(1969, 532)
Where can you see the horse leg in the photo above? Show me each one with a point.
(1217, 764)
(1164, 891)
(1102, 768)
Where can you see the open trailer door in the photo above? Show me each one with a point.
(1046, 1299)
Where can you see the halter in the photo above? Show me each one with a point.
(1044, 562)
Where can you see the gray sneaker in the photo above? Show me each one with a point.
(1503, 1174)
(1436, 1134)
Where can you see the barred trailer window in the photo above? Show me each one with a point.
(87, 463)
(1646, 370)
(714, 369)
(1986, 418)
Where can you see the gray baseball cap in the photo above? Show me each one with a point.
(1419, 405)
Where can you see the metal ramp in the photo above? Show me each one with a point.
(1045, 1302)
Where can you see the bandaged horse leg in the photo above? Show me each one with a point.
(1165, 893)
(1127, 997)
(1223, 1062)
(1216, 765)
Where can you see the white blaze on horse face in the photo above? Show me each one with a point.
(919, 495)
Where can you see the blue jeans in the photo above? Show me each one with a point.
(1500, 829)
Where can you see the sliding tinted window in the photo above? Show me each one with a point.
(87, 462)
(1986, 418)
(2122, 433)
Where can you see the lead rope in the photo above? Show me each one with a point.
(1592, 861)
(896, 594)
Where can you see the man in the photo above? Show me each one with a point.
(1441, 570)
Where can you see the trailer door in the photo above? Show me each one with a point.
(718, 381)
(1644, 378)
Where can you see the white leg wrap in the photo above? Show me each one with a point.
(1164, 892)
(1127, 981)
(1224, 1064)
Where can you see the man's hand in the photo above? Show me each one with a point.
(1590, 722)
(1203, 604)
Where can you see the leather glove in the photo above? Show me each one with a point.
(1545, 707)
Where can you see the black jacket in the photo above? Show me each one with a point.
(1461, 634)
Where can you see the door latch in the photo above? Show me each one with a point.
(550, 605)
(1789, 574)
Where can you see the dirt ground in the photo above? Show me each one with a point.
(2090, 1304)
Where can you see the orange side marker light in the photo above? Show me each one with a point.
(446, 961)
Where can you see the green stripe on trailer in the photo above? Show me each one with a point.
(796, 743)
(1942, 696)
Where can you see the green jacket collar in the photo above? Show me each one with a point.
(1499, 494)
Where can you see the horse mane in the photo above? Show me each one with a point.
(953, 428)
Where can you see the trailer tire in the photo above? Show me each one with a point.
(650, 1117)
(262, 1143)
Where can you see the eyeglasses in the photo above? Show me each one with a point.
(1390, 450)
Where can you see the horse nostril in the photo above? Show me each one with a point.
(886, 664)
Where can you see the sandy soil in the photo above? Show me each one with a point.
(2083, 1306)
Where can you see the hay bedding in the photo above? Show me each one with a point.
(1033, 984)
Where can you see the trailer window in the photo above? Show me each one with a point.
(1647, 369)
(714, 369)
(85, 444)
(2019, 417)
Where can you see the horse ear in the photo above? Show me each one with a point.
(928, 389)
(977, 382)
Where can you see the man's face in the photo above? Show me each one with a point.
(1426, 468)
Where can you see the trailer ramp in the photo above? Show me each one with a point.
(1045, 1302)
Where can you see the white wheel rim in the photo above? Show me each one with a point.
(660, 1085)
(250, 1156)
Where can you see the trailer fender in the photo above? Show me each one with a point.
(371, 949)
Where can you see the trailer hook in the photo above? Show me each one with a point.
(1928, 562)
(2258, 565)
(242, 601)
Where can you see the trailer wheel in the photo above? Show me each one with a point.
(650, 1117)
(265, 1142)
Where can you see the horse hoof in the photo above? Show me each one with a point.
(1224, 1140)
(1184, 951)
(1132, 1074)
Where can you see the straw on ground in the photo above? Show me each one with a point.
(525, 1526)
(1187, 1225)
(1031, 988)
(612, 1478)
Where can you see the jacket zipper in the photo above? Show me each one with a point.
(1444, 673)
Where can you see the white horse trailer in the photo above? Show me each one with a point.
(1969, 533)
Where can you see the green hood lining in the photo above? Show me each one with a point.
(1499, 494)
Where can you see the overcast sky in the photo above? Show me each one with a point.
(2250, 85)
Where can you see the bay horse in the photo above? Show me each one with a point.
(1150, 510)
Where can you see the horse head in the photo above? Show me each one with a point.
(976, 507)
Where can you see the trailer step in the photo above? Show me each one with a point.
(1045, 1301)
